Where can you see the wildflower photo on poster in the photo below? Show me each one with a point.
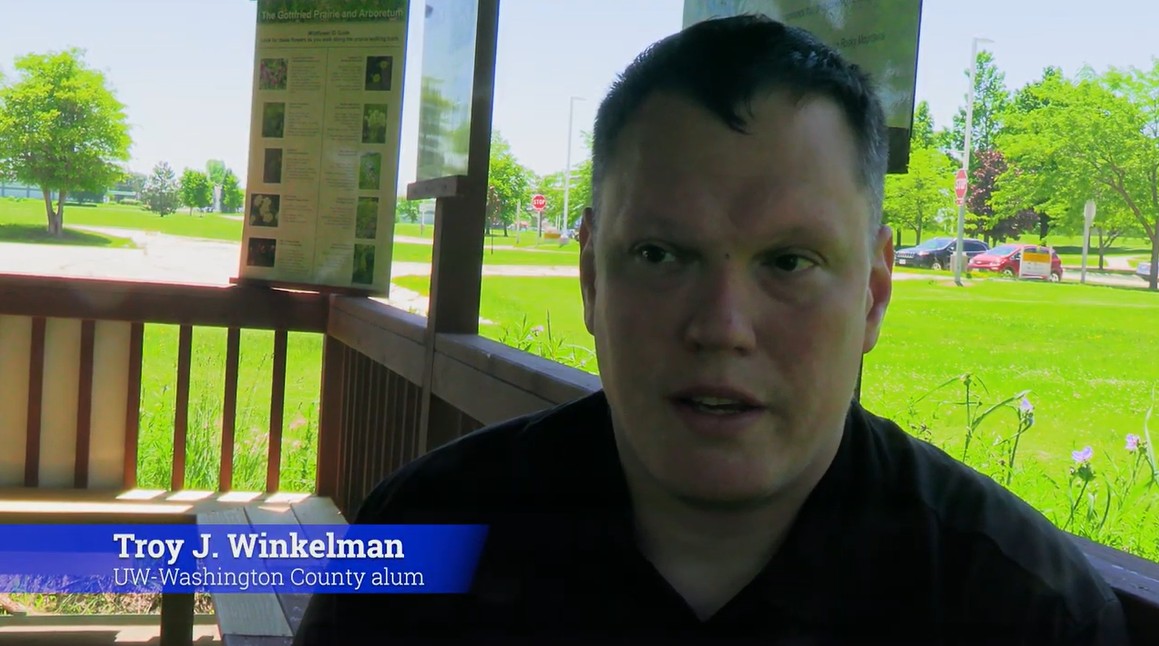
(272, 167)
(369, 171)
(363, 264)
(366, 222)
(274, 120)
(264, 210)
(261, 252)
(272, 74)
(378, 73)
(374, 123)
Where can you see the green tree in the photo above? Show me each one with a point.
(913, 199)
(922, 135)
(162, 193)
(195, 189)
(134, 182)
(1095, 134)
(215, 169)
(62, 129)
(232, 195)
(508, 182)
(991, 101)
(551, 187)
(406, 210)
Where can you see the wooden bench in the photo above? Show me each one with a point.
(237, 615)
(266, 619)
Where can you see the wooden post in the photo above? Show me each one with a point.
(460, 218)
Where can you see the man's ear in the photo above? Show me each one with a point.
(587, 268)
(880, 288)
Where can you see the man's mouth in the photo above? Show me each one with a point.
(717, 401)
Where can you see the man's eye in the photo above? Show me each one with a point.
(653, 254)
(791, 262)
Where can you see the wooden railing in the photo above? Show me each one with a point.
(71, 366)
(377, 413)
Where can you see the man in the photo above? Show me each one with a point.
(723, 485)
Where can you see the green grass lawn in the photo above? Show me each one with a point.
(418, 252)
(1091, 382)
(214, 226)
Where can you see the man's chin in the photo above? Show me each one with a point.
(718, 500)
(714, 488)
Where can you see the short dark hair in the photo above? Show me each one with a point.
(720, 64)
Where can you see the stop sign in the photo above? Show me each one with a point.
(960, 184)
(538, 202)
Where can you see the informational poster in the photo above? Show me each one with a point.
(447, 84)
(324, 143)
(881, 36)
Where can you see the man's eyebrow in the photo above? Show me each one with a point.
(810, 228)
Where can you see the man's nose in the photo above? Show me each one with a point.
(722, 310)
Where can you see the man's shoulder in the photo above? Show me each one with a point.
(485, 471)
(990, 543)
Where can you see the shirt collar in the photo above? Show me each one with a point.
(796, 581)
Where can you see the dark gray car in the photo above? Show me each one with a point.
(936, 253)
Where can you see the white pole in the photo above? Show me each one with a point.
(1088, 219)
(567, 166)
(959, 251)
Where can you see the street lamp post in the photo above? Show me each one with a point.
(959, 251)
(567, 166)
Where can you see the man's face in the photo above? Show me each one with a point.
(732, 285)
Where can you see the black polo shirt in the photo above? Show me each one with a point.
(898, 543)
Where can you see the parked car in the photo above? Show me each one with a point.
(936, 253)
(1007, 259)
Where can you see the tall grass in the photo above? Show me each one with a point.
(1107, 496)
(298, 452)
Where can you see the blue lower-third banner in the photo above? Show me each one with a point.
(367, 559)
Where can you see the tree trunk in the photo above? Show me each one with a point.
(60, 213)
(919, 241)
(55, 216)
(48, 208)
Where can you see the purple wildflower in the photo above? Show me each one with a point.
(1133, 442)
(1083, 456)
(1025, 406)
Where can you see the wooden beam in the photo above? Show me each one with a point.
(108, 300)
(35, 403)
(133, 404)
(330, 417)
(457, 261)
(181, 406)
(277, 408)
(84, 404)
(229, 409)
(438, 187)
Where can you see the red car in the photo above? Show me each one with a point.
(1007, 258)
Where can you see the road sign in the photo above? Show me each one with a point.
(960, 184)
(538, 202)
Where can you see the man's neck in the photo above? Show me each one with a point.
(708, 555)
